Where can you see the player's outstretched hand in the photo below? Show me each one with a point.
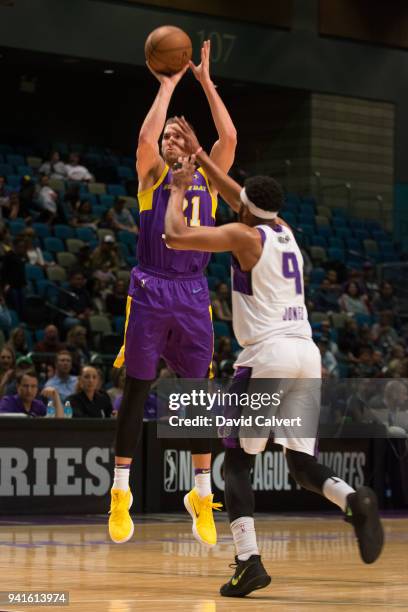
(182, 172)
(202, 71)
(191, 143)
(166, 79)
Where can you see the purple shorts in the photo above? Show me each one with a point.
(167, 316)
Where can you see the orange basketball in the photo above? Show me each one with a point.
(168, 49)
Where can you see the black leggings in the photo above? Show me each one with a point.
(130, 421)
(239, 496)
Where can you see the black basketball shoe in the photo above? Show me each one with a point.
(362, 513)
(249, 576)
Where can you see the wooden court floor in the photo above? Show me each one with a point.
(313, 561)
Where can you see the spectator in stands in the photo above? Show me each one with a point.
(99, 289)
(70, 203)
(76, 171)
(7, 367)
(77, 344)
(83, 216)
(369, 284)
(386, 301)
(84, 260)
(5, 315)
(5, 240)
(326, 299)
(18, 342)
(47, 200)
(120, 218)
(76, 301)
(34, 253)
(54, 167)
(87, 402)
(364, 366)
(329, 362)
(25, 402)
(221, 303)
(4, 198)
(224, 351)
(352, 301)
(118, 377)
(50, 342)
(116, 300)
(105, 257)
(63, 381)
(383, 333)
(13, 275)
(397, 357)
(26, 197)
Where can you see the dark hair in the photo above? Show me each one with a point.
(74, 271)
(347, 287)
(171, 120)
(264, 192)
(20, 376)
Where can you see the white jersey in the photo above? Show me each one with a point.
(268, 302)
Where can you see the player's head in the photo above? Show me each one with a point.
(172, 145)
(262, 198)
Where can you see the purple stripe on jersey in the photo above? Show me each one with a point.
(277, 228)
(242, 281)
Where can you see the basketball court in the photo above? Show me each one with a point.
(313, 561)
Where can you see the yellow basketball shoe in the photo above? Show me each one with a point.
(120, 524)
(201, 511)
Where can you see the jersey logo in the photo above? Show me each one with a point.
(284, 239)
(235, 581)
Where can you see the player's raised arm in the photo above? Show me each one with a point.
(224, 184)
(223, 151)
(233, 237)
(149, 163)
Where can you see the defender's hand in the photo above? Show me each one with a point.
(182, 172)
(191, 143)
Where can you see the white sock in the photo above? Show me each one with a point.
(244, 534)
(202, 482)
(336, 490)
(121, 478)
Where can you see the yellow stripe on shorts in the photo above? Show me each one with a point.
(120, 359)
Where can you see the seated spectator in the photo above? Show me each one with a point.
(62, 380)
(224, 351)
(50, 342)
(5, 315)
(383, 334)
(26, 197)
(118, 377)
(88, 402)
(369, 284)
(25, 402)
(4, 198)
(325, 299)
(329, 362)
(75, 171)
(70, 203)
(364, 367)
(76, 301)
(17, 342)
(386, 301)
(221, 303)
(5, 240)
(54, 167)
(99, 290)
(116, 301)
(120, 218)
(47, 200)
(352, 301)
(34, 253)
(7, 367)
(77, 345)
(106, 257)
(332, 277)
(84, 260)
(14, 276)
(83, 216)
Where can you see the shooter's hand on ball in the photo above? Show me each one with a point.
(182, 172)
(202, 71)
(168, 80)
(191, 144)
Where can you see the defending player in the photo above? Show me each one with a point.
(267, 282)
(168, 310)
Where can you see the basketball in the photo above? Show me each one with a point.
(168, 49)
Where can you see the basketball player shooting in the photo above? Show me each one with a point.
(168, 309)
(267, 282)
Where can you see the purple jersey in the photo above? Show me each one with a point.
(199, 209)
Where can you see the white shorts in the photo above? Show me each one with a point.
(297, 363)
